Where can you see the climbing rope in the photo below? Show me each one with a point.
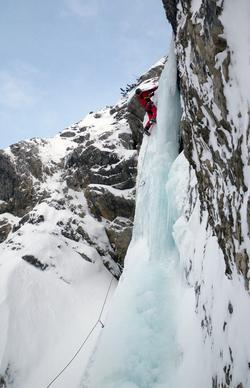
(139, 181)
(89, 334)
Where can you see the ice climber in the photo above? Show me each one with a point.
(144, 97)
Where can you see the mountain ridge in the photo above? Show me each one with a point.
(97, 156)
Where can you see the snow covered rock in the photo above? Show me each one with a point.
(96, 156)
(214, 125)
(212, 46)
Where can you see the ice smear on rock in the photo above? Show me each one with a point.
(137, 347)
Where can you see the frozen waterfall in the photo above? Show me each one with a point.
(137, 347)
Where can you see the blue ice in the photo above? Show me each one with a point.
(137, 346)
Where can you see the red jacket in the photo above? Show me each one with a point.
(145, 95)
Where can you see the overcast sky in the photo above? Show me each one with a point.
(61, 59)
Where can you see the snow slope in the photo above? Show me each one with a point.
(137, 347)
(46, 315)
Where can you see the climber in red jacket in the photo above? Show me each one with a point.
(144, 97)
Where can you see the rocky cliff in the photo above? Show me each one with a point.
(212, 49)
(95, 159)
(213, 140)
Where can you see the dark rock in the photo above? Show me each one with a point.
(28, 160)
(95, 166)
(230, 308)
(92, 156)
(35, 262)
(28, 218)
(120, 233)
(171, 12)
(9, 179)
(5, 228)
(103, 203)
(2, 383)
(67, 134)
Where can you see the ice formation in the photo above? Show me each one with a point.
(137, 347)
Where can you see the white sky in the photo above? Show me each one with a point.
(61, 59)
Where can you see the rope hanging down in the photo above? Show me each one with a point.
(91, 331)
(139, 181)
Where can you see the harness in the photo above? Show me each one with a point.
(148, 101)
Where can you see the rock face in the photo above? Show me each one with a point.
(171, 12)
(213, 143)
(215, 134)
(96, 158)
